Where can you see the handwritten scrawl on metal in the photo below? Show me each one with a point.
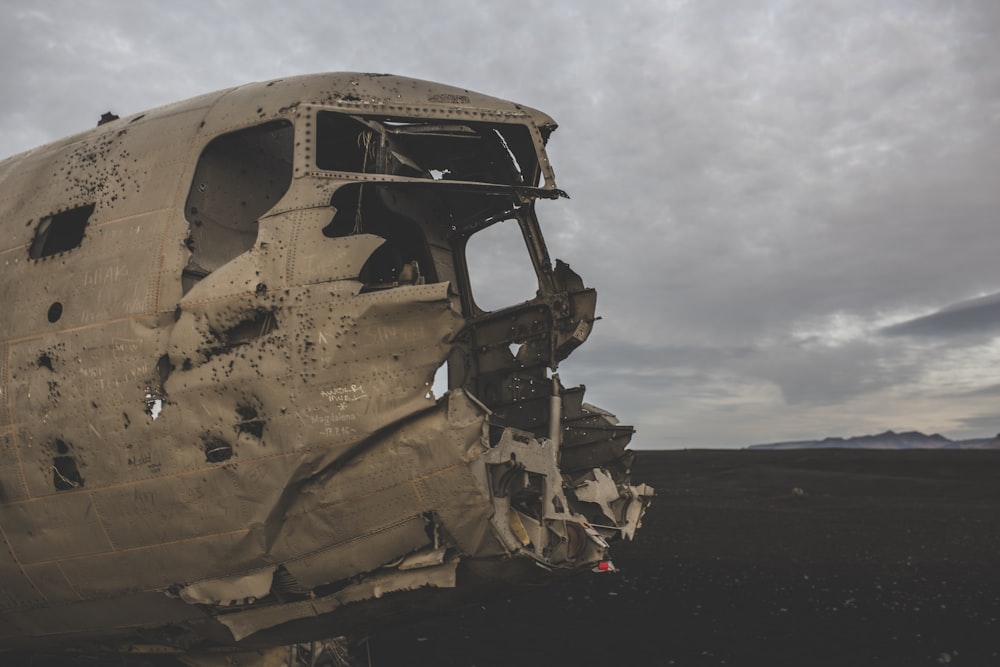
(343, 396)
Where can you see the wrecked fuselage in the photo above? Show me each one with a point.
(218, 424)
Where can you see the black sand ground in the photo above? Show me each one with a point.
(833, 558)
(884, 558)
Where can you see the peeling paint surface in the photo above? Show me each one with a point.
(218, 391)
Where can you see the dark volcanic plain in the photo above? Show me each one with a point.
(822, 557)
(840, 558)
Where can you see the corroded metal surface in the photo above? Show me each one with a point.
(224, 320)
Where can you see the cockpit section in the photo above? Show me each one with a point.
(438, 192)
(438, 198)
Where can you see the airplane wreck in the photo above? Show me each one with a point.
(224, 320)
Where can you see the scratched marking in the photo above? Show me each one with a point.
(328, 419)
(339, 431)
(143, 497)
(111, 306)
(399, 334)
(344, 396)
(105, 276)
(145, 460)
(124, 345)
(128, 378)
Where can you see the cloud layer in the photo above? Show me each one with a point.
(777, 201)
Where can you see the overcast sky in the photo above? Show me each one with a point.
(789, 209)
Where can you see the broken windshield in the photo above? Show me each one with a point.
(496, 153)
(499, 266)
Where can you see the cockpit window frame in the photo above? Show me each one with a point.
(541, 179)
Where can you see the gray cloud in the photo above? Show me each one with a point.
(761, 191)
(990, 390)
(974, 317)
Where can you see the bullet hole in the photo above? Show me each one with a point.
(250, 422)
(45, 361)
(128, 421)
(65, 473)
(217, 450)
(55, 312)
(261, 288)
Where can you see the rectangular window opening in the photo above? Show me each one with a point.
(60, 232)
(435, 149)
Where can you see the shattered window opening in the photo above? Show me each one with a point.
(425, 229)
(343, 143)
(65, 473)
(503, 154)
(500, 270)
(397, 214)
(60, 232)
(239, 177)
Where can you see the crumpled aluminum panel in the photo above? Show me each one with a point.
(247, 433)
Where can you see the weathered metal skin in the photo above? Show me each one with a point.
(225, 316)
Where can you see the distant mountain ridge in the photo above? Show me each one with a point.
(887, 440)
